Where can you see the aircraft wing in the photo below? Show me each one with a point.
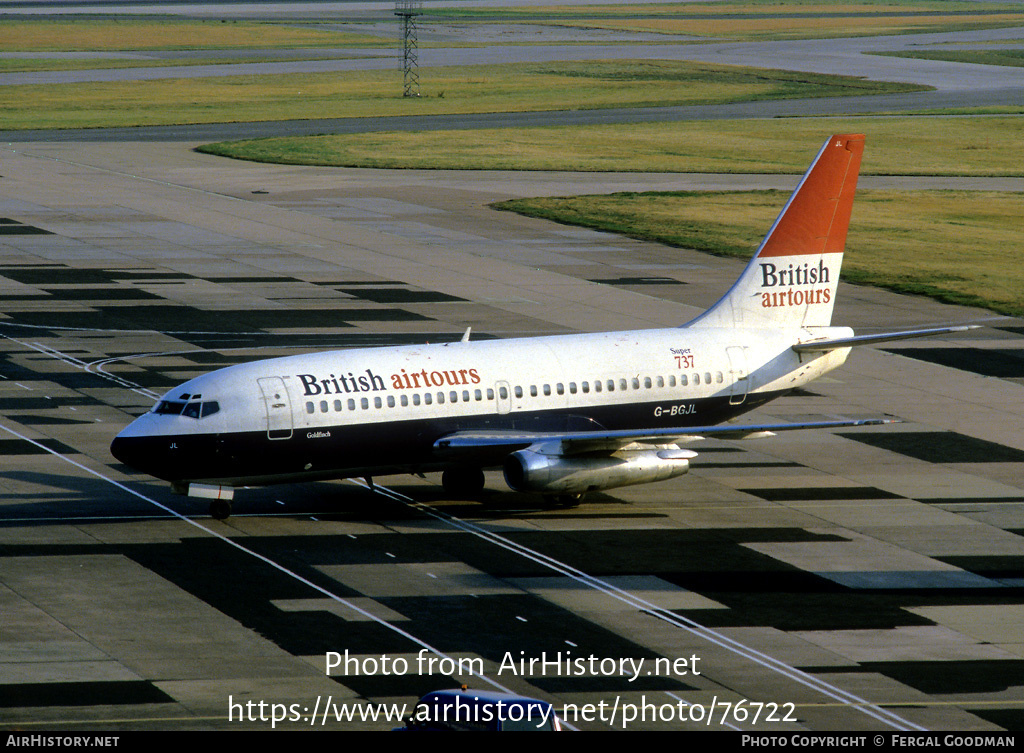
(847, 342)
(576, 442)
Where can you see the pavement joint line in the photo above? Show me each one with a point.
(266, 560)
(691, 626)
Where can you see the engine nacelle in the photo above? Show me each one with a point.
(531, 471)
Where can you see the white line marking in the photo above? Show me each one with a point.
(409, 636)
(718, 639)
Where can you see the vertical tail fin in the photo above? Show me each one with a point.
(791, 281)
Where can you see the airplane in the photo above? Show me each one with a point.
(562, 415)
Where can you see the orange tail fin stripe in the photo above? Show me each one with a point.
(809, 225)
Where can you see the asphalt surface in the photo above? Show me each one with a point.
(860, 580)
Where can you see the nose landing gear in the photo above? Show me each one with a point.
(220, 496)
(220, 509)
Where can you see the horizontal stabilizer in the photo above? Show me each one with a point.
(817, 346)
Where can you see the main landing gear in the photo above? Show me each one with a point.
(563, 501)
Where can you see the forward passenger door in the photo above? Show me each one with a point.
(279, 410)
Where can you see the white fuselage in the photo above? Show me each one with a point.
(350, 412)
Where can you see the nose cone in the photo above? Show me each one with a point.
(138, 447)
(125, 446)
(121, 448)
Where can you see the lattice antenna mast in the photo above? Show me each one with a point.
(408, 10)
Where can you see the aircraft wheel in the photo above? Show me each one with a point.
(563, 501)
(463, 482)
(220, 509)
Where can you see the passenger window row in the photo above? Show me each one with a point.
(417, 398)
(545, 390)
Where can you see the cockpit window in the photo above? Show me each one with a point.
(193, 409)
(169, 408)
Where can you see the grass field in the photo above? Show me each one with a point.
(961, 247)
(16, 65)
(973, 146)
(749, 29)
(466, 89)
(751, 20)
(1009, 57)
(737, 20)
(115, 35)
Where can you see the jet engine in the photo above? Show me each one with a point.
(553, 474)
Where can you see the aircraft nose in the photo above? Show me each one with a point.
(124, 449)
(145, 454)
(129, 446)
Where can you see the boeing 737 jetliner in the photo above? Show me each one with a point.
(562, 415)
